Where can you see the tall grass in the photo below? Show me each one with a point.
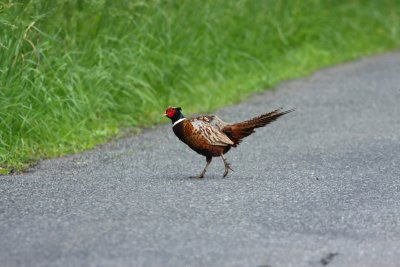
(74, 72)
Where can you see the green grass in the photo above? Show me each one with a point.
(72, 73)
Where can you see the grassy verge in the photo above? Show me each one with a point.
(74, 72)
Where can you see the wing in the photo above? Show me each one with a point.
(210, 128)
(213, 120)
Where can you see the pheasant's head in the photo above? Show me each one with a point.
(174, 113)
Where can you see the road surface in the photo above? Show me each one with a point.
(318, 187)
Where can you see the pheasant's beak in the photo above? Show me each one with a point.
(164, 115)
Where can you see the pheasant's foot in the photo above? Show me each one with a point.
(198, 176)
(227, 165)
(205, 169)
(227, 168)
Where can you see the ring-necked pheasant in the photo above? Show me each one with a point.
(212, 137)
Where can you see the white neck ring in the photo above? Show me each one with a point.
(178, 121)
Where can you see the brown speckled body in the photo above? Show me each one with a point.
(187, 133)
(211, 137)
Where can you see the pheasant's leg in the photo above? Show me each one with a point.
(227, 165)
(205, 168)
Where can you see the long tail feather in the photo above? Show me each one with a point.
(237, 131)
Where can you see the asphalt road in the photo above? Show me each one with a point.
(318, 187)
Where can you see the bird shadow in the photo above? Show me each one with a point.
(182, 177)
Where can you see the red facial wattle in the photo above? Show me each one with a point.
(170, 112)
